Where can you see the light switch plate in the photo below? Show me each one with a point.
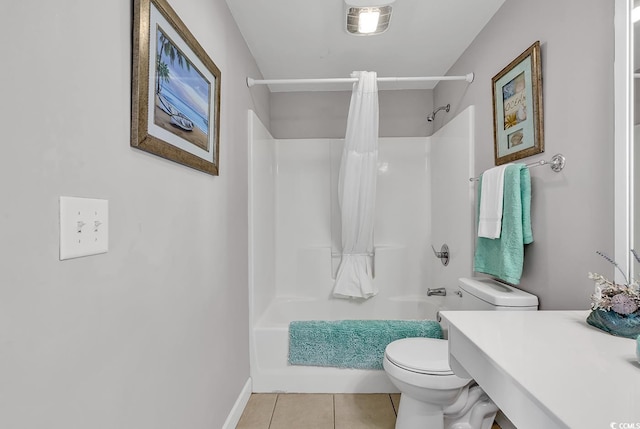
(84, 227)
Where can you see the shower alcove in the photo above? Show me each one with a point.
(424, 197)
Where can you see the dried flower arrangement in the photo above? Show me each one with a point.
(616, 307)
(623, 299)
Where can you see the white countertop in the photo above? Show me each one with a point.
(548, 369)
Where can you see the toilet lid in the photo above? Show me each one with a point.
(423, 355)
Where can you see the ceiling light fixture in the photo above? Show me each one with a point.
(368, 17)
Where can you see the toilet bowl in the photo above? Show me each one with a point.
(432, 396)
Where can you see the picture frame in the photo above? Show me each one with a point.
(517, 108)
(175, 94)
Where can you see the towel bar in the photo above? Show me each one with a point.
(557, 164)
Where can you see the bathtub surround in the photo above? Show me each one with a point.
(452, 212)
(357, 191)
(293, 209)
(351, 343)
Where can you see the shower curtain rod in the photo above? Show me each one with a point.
(251, 82)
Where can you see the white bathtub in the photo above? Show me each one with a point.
(270, 371)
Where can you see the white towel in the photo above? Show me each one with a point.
(490, 217)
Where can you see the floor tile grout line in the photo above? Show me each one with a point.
(273, 410)
(333, 399)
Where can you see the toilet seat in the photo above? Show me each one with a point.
(420, 355)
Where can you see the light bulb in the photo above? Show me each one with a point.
(368, 20)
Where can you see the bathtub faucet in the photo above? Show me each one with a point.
(439, 291)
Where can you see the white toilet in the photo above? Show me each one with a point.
(432, 396)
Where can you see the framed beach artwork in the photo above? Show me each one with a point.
(175, 100)
(517, 108)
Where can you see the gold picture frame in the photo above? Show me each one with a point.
(517, 108)
(175, 94)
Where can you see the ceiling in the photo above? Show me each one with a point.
(293, 39)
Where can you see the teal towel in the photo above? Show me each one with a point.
(351, 343)
(503, 257)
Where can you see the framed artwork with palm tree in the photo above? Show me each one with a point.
(175, 105)
(517, 108)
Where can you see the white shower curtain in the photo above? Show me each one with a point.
(357, 190)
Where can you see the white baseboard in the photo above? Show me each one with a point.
(503, 421)
(236, 412)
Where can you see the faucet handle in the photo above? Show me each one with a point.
(443, 254)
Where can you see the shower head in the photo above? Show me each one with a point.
(432, 116)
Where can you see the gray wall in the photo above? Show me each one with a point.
(324, 114)
(153, 334)
(572, 211)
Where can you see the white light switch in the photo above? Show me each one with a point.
(84, 227)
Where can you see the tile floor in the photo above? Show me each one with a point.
(321, 411)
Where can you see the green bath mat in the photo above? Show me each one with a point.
(351, 343)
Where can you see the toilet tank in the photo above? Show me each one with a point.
(477, 293)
